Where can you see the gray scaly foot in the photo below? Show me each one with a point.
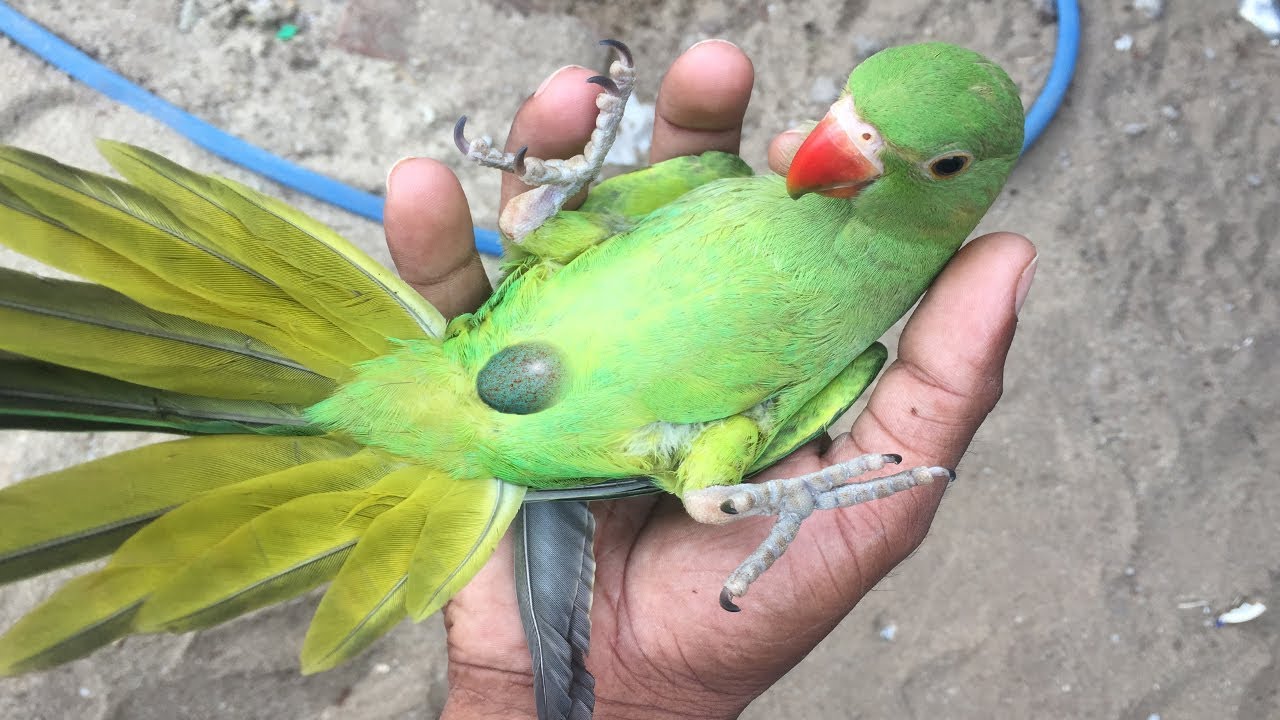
(556, 180)
(794, 499)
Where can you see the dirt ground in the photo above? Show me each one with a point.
(1114, 504)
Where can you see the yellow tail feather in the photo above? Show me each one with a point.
(92, 328)
(275, 556)
(466, 520)
(304, 258)
(86, 511)
(366, 599)
(82, 616)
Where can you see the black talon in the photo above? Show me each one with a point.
(727, 508)
(623, 51)
(951, 475)
(520, 159)
(892, 458)
(458, 138)
(726, 601)
(608, 84)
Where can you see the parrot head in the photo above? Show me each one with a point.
(931, 130)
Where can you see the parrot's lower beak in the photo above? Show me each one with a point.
(840, 157)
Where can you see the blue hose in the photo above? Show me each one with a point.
(1065, 54)
(68, 59)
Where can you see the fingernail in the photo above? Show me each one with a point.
(1024, 284)
(713, 40)
(547, 82)
(391, 173)
(802, 130)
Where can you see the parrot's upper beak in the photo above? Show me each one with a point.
(840, 157)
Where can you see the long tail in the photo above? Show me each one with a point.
(218, 312)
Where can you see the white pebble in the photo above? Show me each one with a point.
(1153, 8)
(1245, 611)
(1124, 43)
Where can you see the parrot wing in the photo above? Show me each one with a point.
(824, 409)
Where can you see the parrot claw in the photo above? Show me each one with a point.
(519, 161)
(792, 500)
(624, 52)
(609, 85)
(556, 181)
(459, 138)
(726, 601)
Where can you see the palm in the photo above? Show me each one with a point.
(659, 636)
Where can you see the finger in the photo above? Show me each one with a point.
(428, 228)
(784, 147)
(950, 367)
(927, 406)
(555, 122)
(702, 101)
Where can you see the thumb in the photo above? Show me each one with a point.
(950, 368)
(929, 403)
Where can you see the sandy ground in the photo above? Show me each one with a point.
(1116, 501)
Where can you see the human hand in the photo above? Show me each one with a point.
(661, 645)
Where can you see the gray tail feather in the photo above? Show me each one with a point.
(41, 396)
(555, 574)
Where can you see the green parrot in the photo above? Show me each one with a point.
(691, 323)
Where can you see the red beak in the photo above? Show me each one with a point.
(839, 158)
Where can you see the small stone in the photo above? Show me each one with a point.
(1253, 179)
(1135, 129)
(1170, 113)
(1124, 43)
(1264, 14)
(1152, 8)
(382, 668)
(889, 632)
(85, 692)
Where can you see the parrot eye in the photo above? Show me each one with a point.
(949, 165)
